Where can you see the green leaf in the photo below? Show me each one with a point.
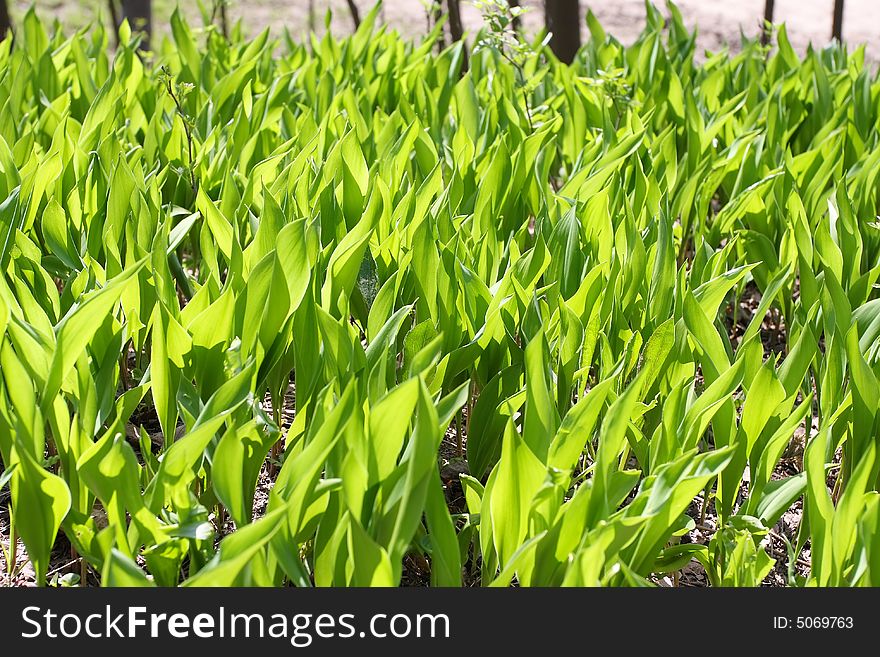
(77, 328)
(120, 570)
(35, 489)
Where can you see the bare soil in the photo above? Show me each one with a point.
(718, 22)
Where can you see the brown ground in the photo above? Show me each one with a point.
(718, 21)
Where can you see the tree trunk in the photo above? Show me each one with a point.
(5, 23)
(563, 21)
(140, 18)
(837, 24)
(768, 18)
(456, 30)
(114, 19)
(517, 21)
(355, 14)
(438, 18)
(224, 21)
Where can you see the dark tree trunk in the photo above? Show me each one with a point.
(5, 23)
(114, 14)
(837, 24)
(140, 18)
(563, 21)
(517, 21)
(768, 18)
(114, 18)
(355, 14)
(224, 21)
(438, 18)
(456, 30)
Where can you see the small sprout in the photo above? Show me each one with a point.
(68, 580)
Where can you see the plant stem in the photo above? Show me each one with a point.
(705, 505)
(114, 18)
(188, 130)
(355, 14)
(12, 559)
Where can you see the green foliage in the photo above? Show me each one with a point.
(251, 292)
